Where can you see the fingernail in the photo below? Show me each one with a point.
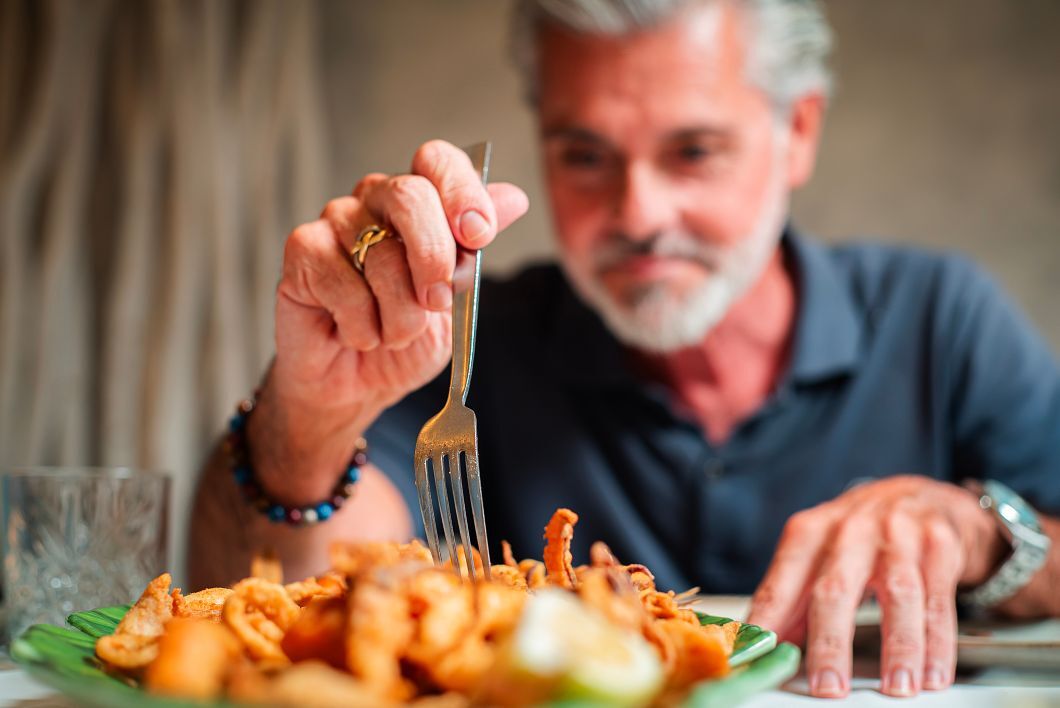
(473, 227)
(934, 679)
(901, 683)
(827, 684)
(439, 297)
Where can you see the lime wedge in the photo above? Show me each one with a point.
(561, 640)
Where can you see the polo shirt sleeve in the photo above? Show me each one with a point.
(1004, 388)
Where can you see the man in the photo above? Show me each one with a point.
(709, 387)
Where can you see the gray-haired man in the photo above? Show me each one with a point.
(713, 383)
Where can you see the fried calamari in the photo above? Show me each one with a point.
(386, 626)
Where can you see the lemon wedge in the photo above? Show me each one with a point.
(564, 642)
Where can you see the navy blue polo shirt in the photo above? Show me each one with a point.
(903, 361)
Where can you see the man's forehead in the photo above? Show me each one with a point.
(691, 58)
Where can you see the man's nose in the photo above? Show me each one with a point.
(645, 204)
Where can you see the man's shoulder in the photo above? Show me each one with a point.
(876, 271)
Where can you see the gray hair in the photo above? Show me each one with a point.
(788, 45)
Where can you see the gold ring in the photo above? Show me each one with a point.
(369, 236)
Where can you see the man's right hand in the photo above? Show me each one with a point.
(348, 345)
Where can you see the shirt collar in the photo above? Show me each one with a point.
(827, 340)
(828, 331)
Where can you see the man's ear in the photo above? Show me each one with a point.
(804, 125)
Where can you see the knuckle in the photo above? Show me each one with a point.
(765, 598)
(903, 588)
(335, 209)
(303, 239)
(828, 644)
(431, 156)
(799, 525)
(895, 525)
(940, 610)
(369, 181)
(939, 535)
(831, 589)
(405, 189)
(900, 642)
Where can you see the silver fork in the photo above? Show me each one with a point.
(452, 435)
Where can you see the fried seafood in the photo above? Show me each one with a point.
(205, 604)
(387, 627)
(350, 559)
(558, 559)
(267, 566)
(700, 652)
(259, 613)
(194, 657)
(378, 632)
(134, 643)
(330, 584)
(318, 633)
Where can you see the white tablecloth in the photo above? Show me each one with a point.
(18, 689)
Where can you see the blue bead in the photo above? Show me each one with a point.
(353, 474)
(242, 474)
(277, 513)
(235, 423)
(324, 511)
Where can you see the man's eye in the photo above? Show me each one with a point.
(693, 153)
(582, 158)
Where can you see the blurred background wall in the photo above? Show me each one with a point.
(155, 155)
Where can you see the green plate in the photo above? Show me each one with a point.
(65, 660)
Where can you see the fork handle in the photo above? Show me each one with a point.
(465, 317)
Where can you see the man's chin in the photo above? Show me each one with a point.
(660, 324)
(643, 277)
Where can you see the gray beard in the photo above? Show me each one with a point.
(660, 319)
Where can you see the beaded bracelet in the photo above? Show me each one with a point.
(301, 515)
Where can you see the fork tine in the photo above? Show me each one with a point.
(456, 477)
(478, 511)
(443, 507)
(430, 521)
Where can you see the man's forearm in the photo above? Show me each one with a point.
(1039, 598)
(226, 532)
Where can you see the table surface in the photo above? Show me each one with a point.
(993, 687)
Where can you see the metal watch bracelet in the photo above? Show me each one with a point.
(1030, 545)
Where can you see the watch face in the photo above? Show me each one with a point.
(1011, 506)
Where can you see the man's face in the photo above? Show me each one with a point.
(666, 171)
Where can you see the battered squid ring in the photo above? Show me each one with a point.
(259, 613)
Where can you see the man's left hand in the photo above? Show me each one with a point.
(909, 540)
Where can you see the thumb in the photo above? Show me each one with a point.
(509, 201)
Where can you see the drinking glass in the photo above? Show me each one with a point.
(77, 538)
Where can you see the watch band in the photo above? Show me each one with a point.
(1030, 546)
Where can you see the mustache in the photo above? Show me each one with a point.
(665, 244)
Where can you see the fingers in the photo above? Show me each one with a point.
(834, 601)
(440, 204)
(318, 296)
(900, 590)
(941, 571)
(412, 205)
(470, 212)
(776, 602)
(401, 316)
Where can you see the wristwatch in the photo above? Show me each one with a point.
(1030, 546)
